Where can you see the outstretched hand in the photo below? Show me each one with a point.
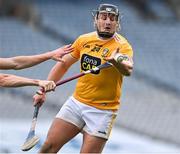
(60, 52)
(111, 57)
(116, 56)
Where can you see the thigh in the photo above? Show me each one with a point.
(92, 144)
(98, 122)
(61, 132)
(71, 113)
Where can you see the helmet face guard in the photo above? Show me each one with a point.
(106, 8)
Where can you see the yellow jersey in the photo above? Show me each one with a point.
(102, 89)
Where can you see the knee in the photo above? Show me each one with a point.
(49, 147)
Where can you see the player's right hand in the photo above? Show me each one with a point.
(39, 99)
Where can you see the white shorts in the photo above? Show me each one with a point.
(94, 121)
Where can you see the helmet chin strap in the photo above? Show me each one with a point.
(104, 34)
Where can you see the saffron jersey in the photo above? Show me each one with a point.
(101, 89)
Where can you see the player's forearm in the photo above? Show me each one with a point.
(7, 80)
(57, 72)
(21, 62)
(124, 64)
(124, 69)
(60, 69)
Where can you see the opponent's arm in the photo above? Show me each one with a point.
(7, 80)
(122, 62)
(21, 62)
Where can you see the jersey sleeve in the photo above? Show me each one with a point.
(126, 49)
(124, 46)
(77, 47)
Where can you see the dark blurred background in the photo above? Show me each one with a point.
(151, 97)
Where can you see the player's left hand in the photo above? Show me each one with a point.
(111, 57)
(57, 54)
(117, 57)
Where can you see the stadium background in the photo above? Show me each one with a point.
(150, 102)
